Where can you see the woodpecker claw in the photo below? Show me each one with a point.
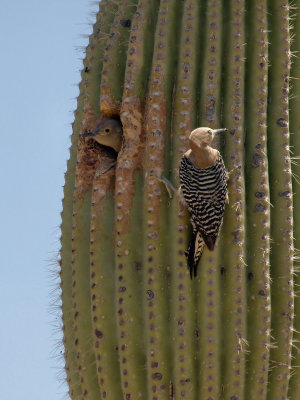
(168, 185)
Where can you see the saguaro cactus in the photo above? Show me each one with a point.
(135, 325)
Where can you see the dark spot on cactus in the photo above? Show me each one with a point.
(104, 395)
(149, 295)
(120, 311)
(197, 335)
(76, 314)
(137, 265)
(85, 392)
(154, 364)
(250, 276)
(150, 259)
(86, 69)
(260, 195)
(262, 65)
(76, 342)
(122, 289)
(156, 133)
(235, 235)
(97, 344)
(259, 208)
(74, 284)
(234, 397)
(120, 266)
(287, 193)
(128, 396)
(126, 23)
(120, 278)
(126, 384)
(93, 275)
(222, 270)
(93, 285)
(262, 293)
(257, 160)
(98, 333)
(282, 122)
(121, 300)
(157, 376)
(93, 297)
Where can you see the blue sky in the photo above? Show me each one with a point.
(41, 57)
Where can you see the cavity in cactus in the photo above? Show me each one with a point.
(135, 325)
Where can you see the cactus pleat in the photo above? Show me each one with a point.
(233, 251)
(258, 204)
(294, 106)
(282, 296)
(135, 325)
(129, 204)
(208, 301)
(72, 374)
(156, 261)
(183, 314)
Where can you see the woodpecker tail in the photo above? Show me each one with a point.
(194, 252)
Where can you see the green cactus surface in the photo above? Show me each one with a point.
(135, 325)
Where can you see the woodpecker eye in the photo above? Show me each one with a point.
(107, 130)
(210, 131)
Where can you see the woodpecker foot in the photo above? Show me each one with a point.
(168, 185)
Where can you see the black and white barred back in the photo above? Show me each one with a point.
(205, 192)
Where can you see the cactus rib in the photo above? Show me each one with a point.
(282, 296)
(294, 107)
(184, 379)
(156, 262)
(208, 314)
(258, 208)
(234, 340)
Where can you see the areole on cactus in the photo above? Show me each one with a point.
(135, 325)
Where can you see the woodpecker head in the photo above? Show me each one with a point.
(201, 137)
(107, 132)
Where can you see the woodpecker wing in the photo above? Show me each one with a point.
(205, 192)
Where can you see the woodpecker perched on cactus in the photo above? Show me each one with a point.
(203, 179)
(107, 132)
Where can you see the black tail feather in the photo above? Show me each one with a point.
(194, 252)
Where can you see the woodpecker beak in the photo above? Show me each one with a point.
(216, 131)
(88, 134)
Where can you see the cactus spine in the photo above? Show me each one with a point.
(135, 325)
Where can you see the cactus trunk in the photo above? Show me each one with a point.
(135, 325)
